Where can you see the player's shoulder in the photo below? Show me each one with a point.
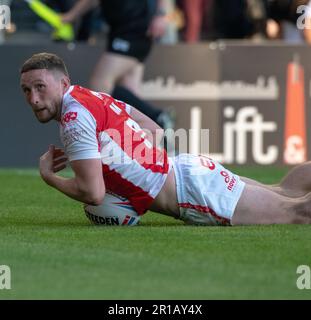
(77, 95)
(74, 113)
(88, 97)
(81, 100)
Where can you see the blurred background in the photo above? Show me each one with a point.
(239, 69)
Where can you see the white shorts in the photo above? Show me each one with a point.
(207, 193)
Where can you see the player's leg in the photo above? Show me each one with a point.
(272, 187)
(259, 205)
(128, 90)
(109, 69)
(296, 183)
(194, 15)
(133, 78)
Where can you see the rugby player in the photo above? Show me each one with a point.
(109, 151)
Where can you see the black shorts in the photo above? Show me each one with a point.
(128, 25)
(138, 48)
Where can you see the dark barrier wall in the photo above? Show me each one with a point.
(254, 99)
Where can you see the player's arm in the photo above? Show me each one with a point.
(88, 184)
(81, 7)
(158, 23)
(154, 132)
(78, 134)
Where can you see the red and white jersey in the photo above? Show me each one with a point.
(96, 126)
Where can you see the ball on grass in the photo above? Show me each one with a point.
(114, 211)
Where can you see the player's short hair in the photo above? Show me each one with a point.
(44, 60)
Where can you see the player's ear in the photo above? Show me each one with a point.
(65, 82)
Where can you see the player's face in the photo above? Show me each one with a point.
(44, 91)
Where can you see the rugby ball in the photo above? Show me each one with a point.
(114, 211)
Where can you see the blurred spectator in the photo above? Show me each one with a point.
(231, 20)
(222, 19)
(175, 21)
(283, 16)
(257, 15)
(134, 25)
(195, 11)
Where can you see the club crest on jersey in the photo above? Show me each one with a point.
(69, 116)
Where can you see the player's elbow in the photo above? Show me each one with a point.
(93, 195)
(95, 198)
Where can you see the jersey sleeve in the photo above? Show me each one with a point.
(128, 108)
(125, 106)
(78, 134)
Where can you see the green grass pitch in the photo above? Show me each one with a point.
(55, 253)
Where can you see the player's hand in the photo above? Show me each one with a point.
(67, 18)
(52, 161)
(157, 27)
(59, 160)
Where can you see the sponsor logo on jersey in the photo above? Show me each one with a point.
(72, 134)
(69, 116)
(229, 180)
(207, 163)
